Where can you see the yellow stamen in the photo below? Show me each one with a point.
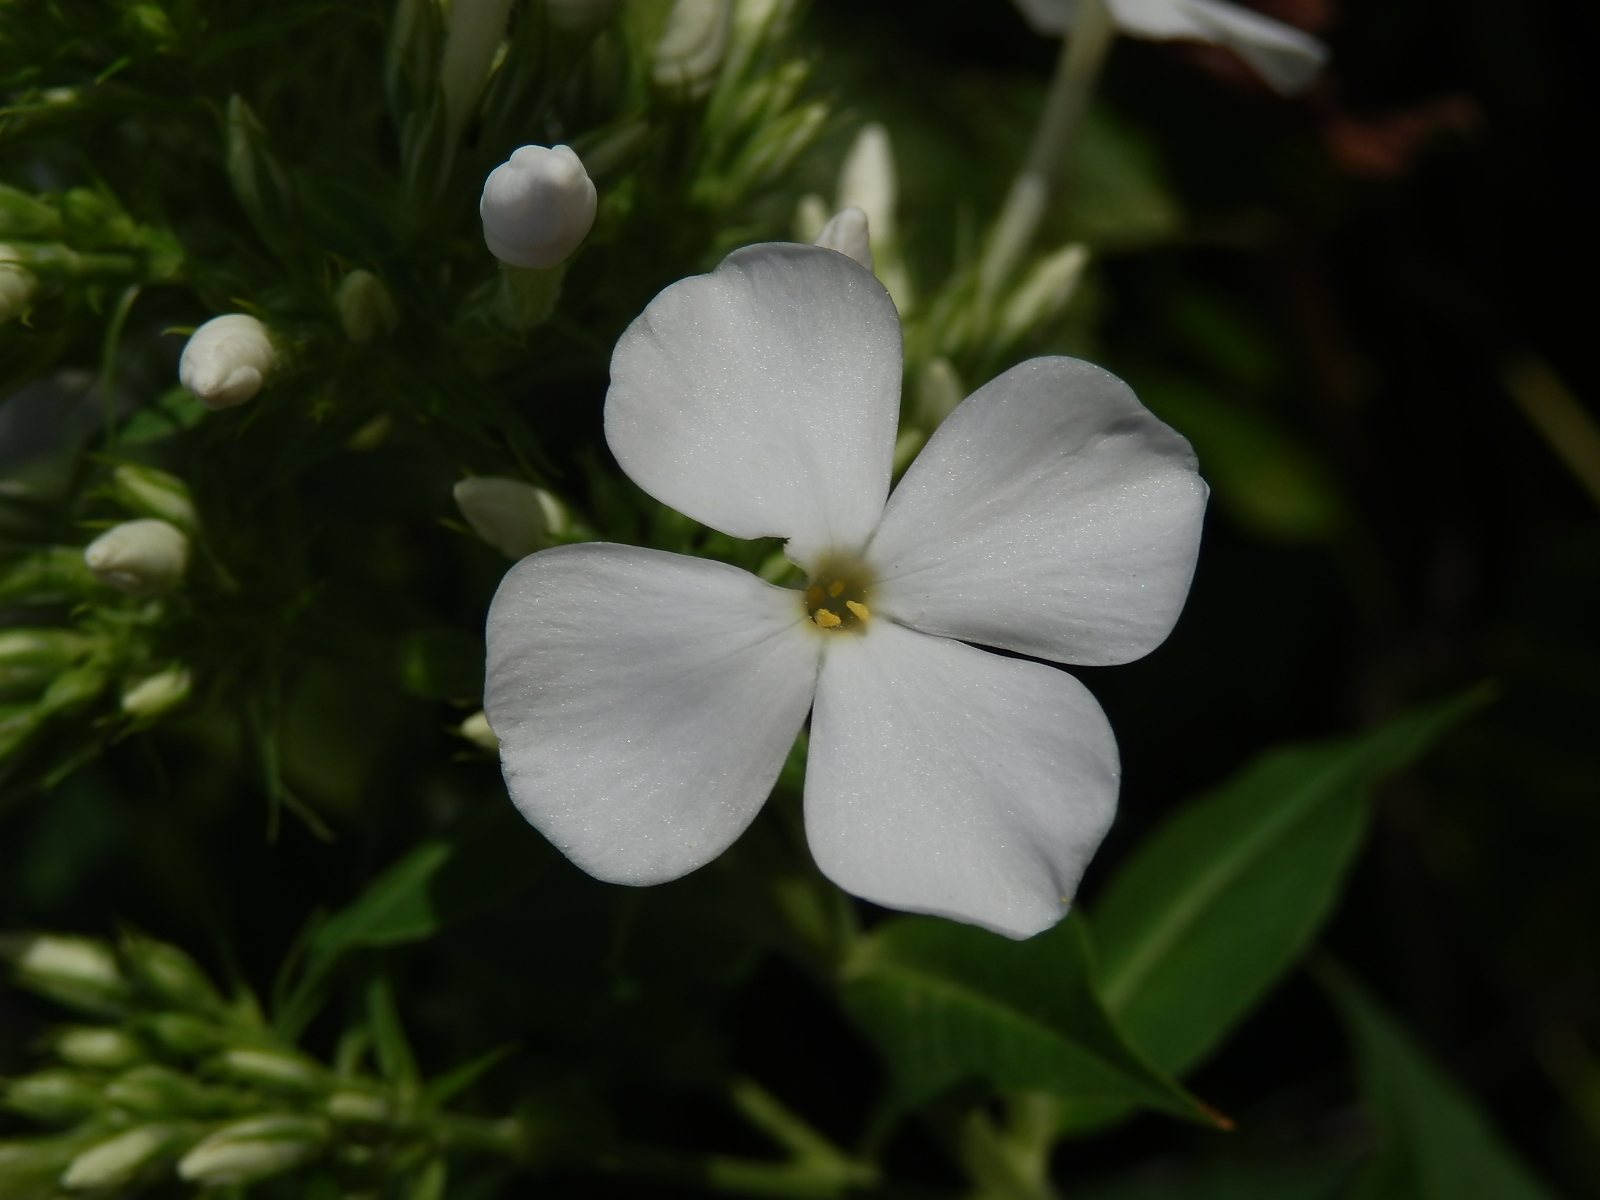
(827, 619)
(859, 609)
(835, 588)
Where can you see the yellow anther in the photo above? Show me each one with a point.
(859, 609)
(835, 588)
(827, 619)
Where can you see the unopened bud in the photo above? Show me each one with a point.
(153, 493)
(153, 1091)
(155, 694)
(359, 1108)
(578, 16)
(116, 1162)
(56, 1097)
(939, 390)
(507, 513)
(471, 39)
(868, 180)
(537, 206)
(77, 971)
(227, 360)
(692, 45)
(366, 310)
(142, 558)
(248, 1151)
(1045, 292)
(31, 658)
(477, 731)
(274, 1068)
(847, 233)
(17, 287)
(166, 971)
(103, 1049)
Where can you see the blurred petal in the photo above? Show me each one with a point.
(644, 702)
(1287, 58)
(947, 780)
(762, 399)
(1051, 514)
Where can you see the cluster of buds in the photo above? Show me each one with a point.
(175, 1080)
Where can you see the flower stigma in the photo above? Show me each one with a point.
(836, 596)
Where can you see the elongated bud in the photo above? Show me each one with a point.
(275, 1069)
(366, 310)
(247, 1151)
(154, 695)
(471, 38)
(580, 16)
(116, 1162)
(847, 233)
(78, 972)
(692, 45)
(167, 972)
(142, 558)
(227, 360)
(506, 513)
(17, 287)
(537, 206)
(31, 658)
(153, 493)
(358, 1108)
(154, 1091)
(56, 1097)
(476, 730)
(868, 181)
(1044, 292)
(102, 1048)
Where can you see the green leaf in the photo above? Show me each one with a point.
(1437, 1144)
(948, 1003)
(397, 907)
(1211, 910)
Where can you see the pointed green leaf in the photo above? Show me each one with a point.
(948, 1003)
(1437, 1144)
(1211, 910)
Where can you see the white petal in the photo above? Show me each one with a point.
(762, 399)
(644, 702)
(948, 780)
(1287, 58)
(847, 233)
(1051, 514)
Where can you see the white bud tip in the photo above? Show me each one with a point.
(537, 207)
(506, 513)
(847, 233)
(227, 360)
(143, 558)
(477, 731)
(692, 44)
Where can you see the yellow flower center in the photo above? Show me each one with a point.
(836, 596)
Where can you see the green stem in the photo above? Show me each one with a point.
(1077, 72)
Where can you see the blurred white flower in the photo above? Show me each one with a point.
(537, 206)
(143, 558)
(515, 518)
(646, 701)
(1285, 57)
(692, 45)
(226, 360)
(847, 232)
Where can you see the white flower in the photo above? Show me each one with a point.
(143, 558)
(537, 206)
(645, 701)
(227, 360)
(1282, 55)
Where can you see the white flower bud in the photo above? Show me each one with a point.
(576, 16)
(142, 558)
(508, 514)
(537, 206)
(69, 959)
(868, 181)
(17, 286)
(366, 310)
(359, 1108)
(247, 1151)
(114, 1163)
(102, 1048)
(847, 233)
(153, 696)
(692, 45)
(1045, 291)
(57, 1097)
(227, 360)
(154, 493)
(274, 1068)
(474, 33)
(477, 731)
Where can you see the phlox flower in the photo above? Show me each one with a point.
(646, 701)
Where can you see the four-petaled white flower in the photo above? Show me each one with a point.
(646, 701)
(1282, 55)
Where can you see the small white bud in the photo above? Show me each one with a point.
(227, 360)
(474, 34)
(692, 45)
(847, 233)
(868, 181)
(102, 1048)
(142, 558)
(153, 696)
(247, 1151)
(17, 286)
(71, 965)
(154, 493)
(359, 1108)
(506, 513)
(366, 310)
(274, 1068)
(114, 1163)
(477, 731)
(537, 206)
(1044, 292)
